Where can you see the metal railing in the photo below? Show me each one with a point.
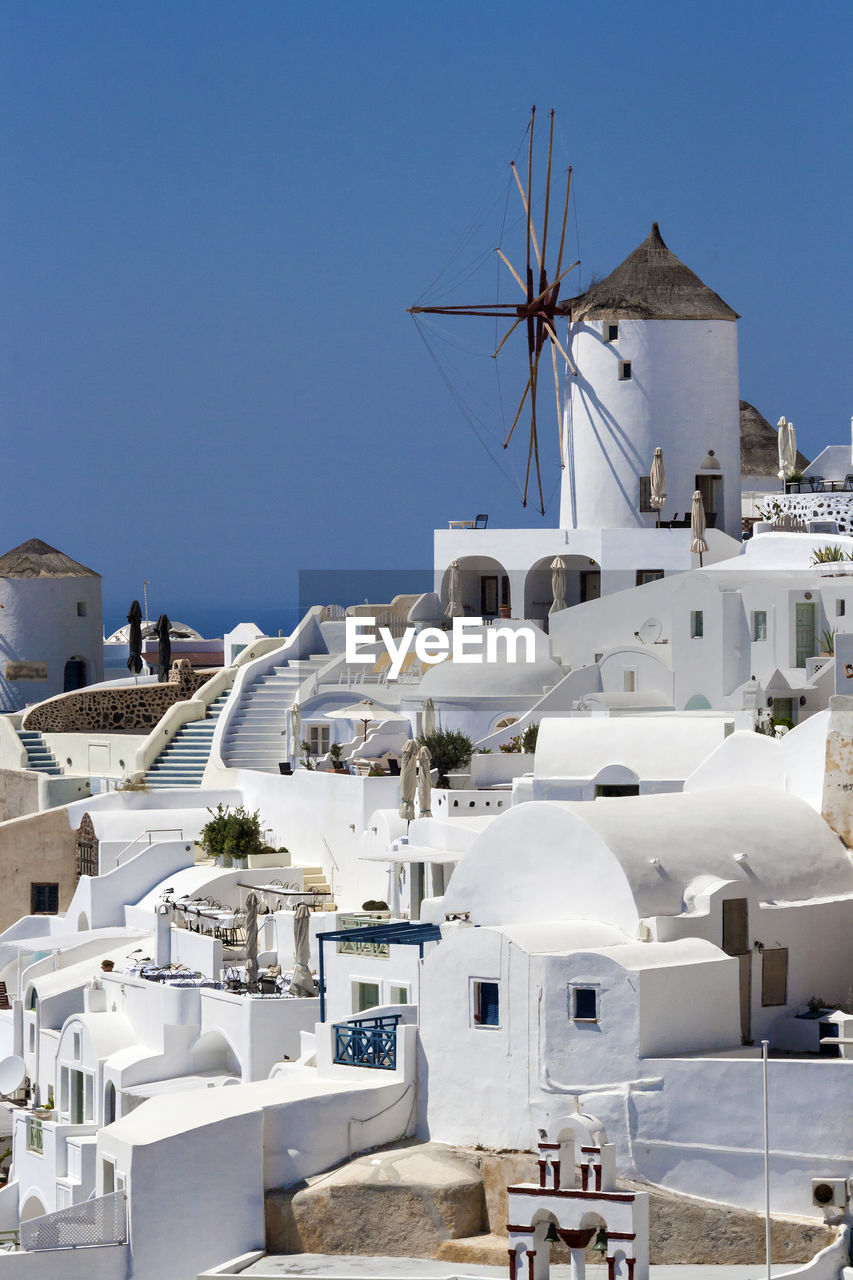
(94, 1222)
(367, 1042)
(149, 832)
(347, 947)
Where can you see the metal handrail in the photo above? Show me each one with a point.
(149, 832)
(92, 1222)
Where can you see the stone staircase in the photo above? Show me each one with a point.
(182, 762)
(314, 879)
(39, 756)
(256, 737)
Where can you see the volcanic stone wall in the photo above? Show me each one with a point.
(125, 709)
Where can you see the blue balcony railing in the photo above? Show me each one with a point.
(368, 1042)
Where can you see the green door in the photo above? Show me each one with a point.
(805, 623)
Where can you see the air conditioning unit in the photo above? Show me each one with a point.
(829, 1193)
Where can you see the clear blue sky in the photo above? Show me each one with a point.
(214, 216)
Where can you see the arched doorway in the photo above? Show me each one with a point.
(485, 586)
(34, 1207)
(74, 675)
(583, 582)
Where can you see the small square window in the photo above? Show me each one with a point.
(648, 575)
(611, 333)
(44, 899)
(759, 624)
(625, 371)
(697, 624)
(365, 995)
(81, 609)
(485, 1004)
(583, 1003)
(840, 608)
(398, 994)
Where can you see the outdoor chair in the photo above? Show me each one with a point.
(481, 521)
(393, 767)
(816, 483)
(848, 482)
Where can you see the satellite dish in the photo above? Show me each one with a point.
(12, 1072)
(650, 631)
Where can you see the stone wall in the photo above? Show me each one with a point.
(39, 849)
(124, 709)
(814, 506)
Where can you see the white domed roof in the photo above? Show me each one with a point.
(450, 679)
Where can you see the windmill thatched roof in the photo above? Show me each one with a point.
(759, 449)
(651, 284)
(35, 559)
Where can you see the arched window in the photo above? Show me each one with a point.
(109, 1103)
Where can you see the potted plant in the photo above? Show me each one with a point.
(378, 909)
(335, 751)
(231, 836)
(449, 750)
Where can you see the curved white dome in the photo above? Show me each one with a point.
(450, 679)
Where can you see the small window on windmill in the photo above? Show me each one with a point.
(840, 607)
(611, 333)
(583, 1004)
(81, 609)
(625, 371)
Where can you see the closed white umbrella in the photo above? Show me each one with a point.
(408, 780)
(424, 783)
(302, 982)
(698, 544)
(558, 585)
(454, 604)
(786, 440)
(657, 479)
(428, 718)
(251, 939)
(295, 715)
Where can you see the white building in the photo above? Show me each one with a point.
(51, 624)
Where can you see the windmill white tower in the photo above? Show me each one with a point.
(656, 356)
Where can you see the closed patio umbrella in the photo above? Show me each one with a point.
(295, 715)
(302, 982)
(134, 639)
(558, 585)
(787, 441)
(251, 939)
(408, 780)
(698, 544)
(424, 783)
(657, 479)
(164, 648)
(454, 604)
(428, 718)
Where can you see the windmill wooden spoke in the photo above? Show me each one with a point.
(533, 447)
(509, 331)
(559, 347)
(517, 413)
(555, 283)
(505, 259)
(565, 219)
(559, 403)
(534, 241)
(540, 310)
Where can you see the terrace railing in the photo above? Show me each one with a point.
(367, 1042)
(94, 1222)
(353, 947)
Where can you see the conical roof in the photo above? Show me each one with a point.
(35, 559)
(759, 445)
(651, 284)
